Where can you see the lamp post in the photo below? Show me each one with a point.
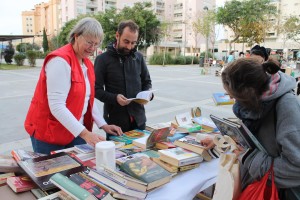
(207, 36)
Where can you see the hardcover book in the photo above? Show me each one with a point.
(220, 98)
(238, 132)
(4, 176)
(41, 169)
(189, 142)
(71, 188)
(20, 183)
(157, 135)
(129, 136)
(91, 187)
(144, 169)
(179, 156)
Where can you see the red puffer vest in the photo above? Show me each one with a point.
(39, 121)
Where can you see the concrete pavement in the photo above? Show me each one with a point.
(178, 88)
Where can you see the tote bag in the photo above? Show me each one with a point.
(259, 190)
(228, 185)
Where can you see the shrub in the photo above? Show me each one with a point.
(9, 53)
(157, 59)
(196, 60)
(31, 56)
(19, 59)
(179, 60)
(188, 60)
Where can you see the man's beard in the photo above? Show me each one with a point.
(123, 51)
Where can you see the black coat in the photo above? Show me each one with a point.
(126, 75)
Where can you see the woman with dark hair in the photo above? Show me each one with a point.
(259, 52)
(267, 105)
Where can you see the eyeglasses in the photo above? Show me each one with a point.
(91, 44)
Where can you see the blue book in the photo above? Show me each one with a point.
(221, 98)
(176, 136)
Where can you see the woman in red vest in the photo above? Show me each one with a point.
(62, 110)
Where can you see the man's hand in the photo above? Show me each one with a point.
(90, 137)
(123, 101)
(112, 129)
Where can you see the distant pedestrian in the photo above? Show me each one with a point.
(230, 57)
(241, 55)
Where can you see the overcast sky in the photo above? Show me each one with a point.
(11, 10)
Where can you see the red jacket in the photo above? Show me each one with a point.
(39, 121)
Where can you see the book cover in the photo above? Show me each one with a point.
(91, 187)
(125, 179)
(164, 145)
(190, 143)
(85, 148)
(21, 155)
(220, 98)
(42, 168)
(129, 136)
(71, 188)
(176, 136)
(143, 97)
(238, 132)
(144, 169)
(205, 123)
(157, 135)
(110, 182)
(183, 119)
(20, 183)
(179, 156)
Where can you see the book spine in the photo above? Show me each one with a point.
(190, 161)
(69, 186)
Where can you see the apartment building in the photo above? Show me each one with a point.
(273, 39)
(180, 14)
(44, 15)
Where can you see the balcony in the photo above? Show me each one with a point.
(91, 4)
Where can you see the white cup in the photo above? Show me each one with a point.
(105, 155)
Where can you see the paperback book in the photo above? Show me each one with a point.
(143, 97)
(129, 136)
(41, 169)
(190, 143)
(20, 183)
(179, 156)
(220, 98)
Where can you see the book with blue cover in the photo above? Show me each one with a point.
(221, 98)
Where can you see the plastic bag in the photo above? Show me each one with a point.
(259, 190)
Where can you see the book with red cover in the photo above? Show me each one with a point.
(91, 187)
(20, 183)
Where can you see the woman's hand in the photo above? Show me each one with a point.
(112, 129)
(90, 137)
(208, 143)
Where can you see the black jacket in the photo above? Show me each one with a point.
(126, 75)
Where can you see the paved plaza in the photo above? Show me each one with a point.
(178, 88)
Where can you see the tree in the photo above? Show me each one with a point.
(45, 41)
(23, 47)
(290, 29)
(247, 19)
(9, 53)
(63, 37)
(205, 24)
(166, 29)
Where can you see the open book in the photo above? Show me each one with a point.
(238, 132)
(143, 97)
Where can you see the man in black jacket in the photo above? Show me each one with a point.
(121, 73)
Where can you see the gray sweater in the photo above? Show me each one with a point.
(279, 133)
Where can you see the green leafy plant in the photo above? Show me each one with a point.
(31, 56)
(19, 59)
